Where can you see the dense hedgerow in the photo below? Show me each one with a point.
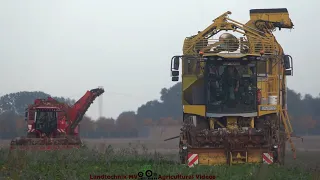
(80, 164)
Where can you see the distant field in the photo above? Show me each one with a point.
(130, 155)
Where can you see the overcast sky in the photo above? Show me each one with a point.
(65, 47)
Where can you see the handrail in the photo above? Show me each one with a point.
(233, 45)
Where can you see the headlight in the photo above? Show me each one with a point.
(275, 146)
(184, 147)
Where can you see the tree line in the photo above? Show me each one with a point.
(303, 112)
(125, 126)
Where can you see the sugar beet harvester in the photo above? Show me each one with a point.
(54, 125)
(234, 91)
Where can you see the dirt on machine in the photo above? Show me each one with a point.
(234, 91)
(54, 125)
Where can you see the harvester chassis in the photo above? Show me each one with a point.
(67, 142)
(269, 134)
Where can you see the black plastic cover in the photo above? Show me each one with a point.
(274, 10)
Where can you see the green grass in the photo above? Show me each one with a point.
(80, 164)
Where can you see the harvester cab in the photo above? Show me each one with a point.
(46, 120)
(53, 125)
(234, 91)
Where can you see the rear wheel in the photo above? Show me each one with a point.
(282, 148)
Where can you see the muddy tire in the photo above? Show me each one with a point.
(182, 154)
(183, 157)
(282, 149)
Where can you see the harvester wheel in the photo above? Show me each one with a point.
(182, 158)
(182, 154)
(282, 149)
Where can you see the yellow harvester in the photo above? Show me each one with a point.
(234, 91)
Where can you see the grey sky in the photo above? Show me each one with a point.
(65, 47)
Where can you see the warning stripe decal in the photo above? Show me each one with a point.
(60, 130)
(193, 159)
(267, 158)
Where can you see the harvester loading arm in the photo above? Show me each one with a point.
(258, 30)
(78, 110)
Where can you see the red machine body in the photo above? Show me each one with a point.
(54, 125)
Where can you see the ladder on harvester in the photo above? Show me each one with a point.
(283, 115)
(288, 129)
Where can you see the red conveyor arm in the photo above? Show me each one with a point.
(78, 110)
